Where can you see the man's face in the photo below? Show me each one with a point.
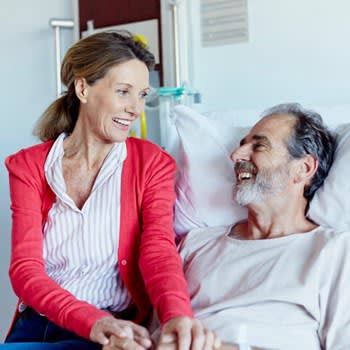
(262, 162)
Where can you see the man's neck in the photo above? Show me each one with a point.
(274, 221)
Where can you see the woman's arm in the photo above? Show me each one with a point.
(159, 262)
(161, 265)
(27, 268)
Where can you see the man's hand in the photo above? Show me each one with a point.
(184, 333)
(113, 333)
(117, 343)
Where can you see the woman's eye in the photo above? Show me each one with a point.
(122, 92)
(143, 94)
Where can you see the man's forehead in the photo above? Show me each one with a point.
(276, 120)
(271, 128)
(274, 125)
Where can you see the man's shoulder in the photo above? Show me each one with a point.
(330, 233)
(327, 238)
(200, 237)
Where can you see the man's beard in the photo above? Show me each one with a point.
(268, 182)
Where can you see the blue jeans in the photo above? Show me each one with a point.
(35, 332)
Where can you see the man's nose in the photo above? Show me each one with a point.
(241, 153)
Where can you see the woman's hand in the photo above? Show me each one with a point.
(113, 333)
(184, 333)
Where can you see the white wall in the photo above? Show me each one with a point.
(297, 51)
(27, 86)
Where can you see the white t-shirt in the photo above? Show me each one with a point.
(291, 292)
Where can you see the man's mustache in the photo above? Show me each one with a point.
(245, 166)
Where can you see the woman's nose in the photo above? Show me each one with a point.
(135, 107)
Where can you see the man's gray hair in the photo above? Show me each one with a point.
(310, 136)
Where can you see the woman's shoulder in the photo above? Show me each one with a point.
(142, 144)
(33, 154)
(146, 149)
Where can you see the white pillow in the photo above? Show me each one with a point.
(205, 171)
(205, 175)
(331, 203)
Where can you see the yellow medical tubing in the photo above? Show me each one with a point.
(143, 125)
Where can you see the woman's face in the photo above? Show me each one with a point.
(110, 106)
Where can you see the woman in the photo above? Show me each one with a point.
(92, 239)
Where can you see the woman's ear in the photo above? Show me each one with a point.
(81, 89)
(306, 169)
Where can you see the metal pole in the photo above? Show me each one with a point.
(176, 44)
(58, 61)
(57, 24)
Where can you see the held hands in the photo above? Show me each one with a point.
(184, 333)
(113, 334)
(180, 333)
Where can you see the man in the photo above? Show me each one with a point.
(277, 278)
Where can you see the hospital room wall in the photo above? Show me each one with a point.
(27, 71)
(297, 51)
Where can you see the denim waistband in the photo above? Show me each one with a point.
(127, 314)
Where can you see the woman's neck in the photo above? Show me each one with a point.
(86, 147)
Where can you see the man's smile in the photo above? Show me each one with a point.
(245, 171)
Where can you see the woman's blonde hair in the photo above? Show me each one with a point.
(89, 58)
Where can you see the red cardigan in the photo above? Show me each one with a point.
(149, 264)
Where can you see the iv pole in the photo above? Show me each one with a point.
(57, 24)
(174, 10)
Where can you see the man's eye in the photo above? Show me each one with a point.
(258, 146)
(122, 92)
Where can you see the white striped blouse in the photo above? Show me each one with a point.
(81, 246)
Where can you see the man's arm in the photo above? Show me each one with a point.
(334, 331)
